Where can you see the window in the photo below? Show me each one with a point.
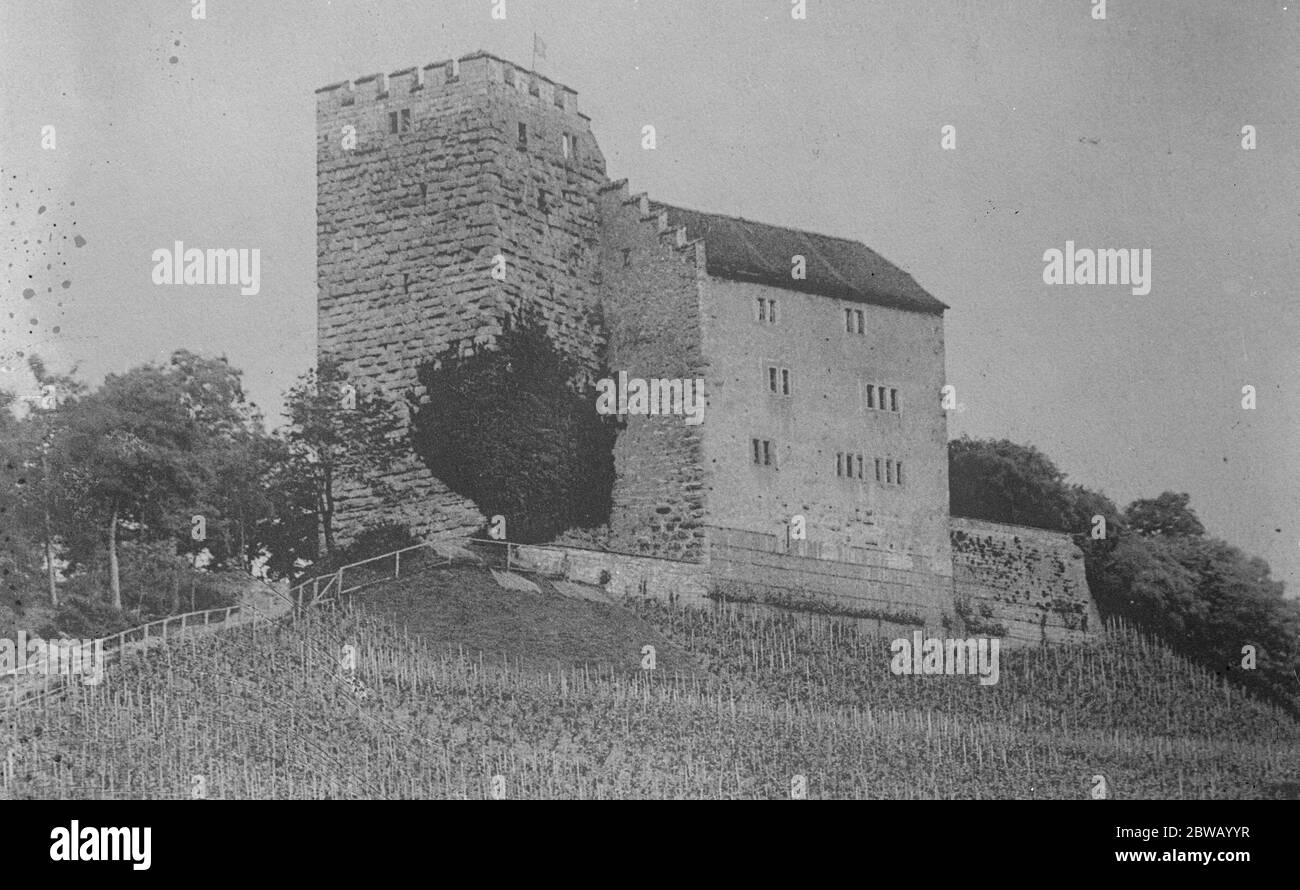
(762, 309)
(779, 380)
(543, 203)
(878, 479)
(510, 76)
(764, 452)
(399, 122)
(627, 257)
(523, 135)
(848, 320)
(767, 310)
(854, 321)
(862, 326)
(851, 466)
(569, 146)
(889, 472)
(898, 472)
(882, 398)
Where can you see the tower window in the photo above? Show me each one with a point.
(523, 135)
(871, 395)
(767, 310)
(764, 453)
(542, 203)
(898, 472)
(785, 381)
(399, 121)
(424, 191)
(627, 257)
(878, 479)
(889, 472)
(893, 400)
(839, 463)
(848, 320)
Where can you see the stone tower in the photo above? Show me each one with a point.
(424, 178)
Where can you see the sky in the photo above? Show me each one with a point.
(1123, 132)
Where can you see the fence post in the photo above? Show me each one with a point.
(507, 556)
(397, 565)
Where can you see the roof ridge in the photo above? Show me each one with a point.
(759, 222)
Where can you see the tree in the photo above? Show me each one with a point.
(146, 446)
(337, 433)
(1168, 515)
(1001, 481)
(510, 429)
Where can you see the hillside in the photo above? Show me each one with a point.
(263, 711)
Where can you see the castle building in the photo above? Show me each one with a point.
(822, 362)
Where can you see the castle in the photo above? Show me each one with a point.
(822, 455)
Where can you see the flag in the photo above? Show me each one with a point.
(539, 47)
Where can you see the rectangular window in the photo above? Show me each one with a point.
(893, 400)
(567, 144)
(848, 320)
(889, 472)
(771, 378)
(758, 451)
(898, 472)
(862, 329)
(878, 479)
(839, 463)
(861, 461)
(771, 311)
(871, 396)
(880, 397)
(762, 309)
(399, 122)
(542, 203)
(785, 382)
(523, 135)
(392, 121)
(768, 455)
(627, 257)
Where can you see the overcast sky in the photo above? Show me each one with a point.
(1122, 133)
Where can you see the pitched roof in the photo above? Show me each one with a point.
(836, 267)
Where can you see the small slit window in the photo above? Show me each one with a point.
(523, 135)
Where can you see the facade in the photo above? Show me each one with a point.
(451, 195)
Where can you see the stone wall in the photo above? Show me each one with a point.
(826, 413)
(621, 574)
(1029, 580)
(408, 225)
(650, 306)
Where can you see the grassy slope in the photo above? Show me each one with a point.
(265, 714)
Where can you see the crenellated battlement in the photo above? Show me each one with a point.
(475, 70)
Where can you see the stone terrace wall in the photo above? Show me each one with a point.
(408, 225)
(1030, 580)
(744, 566)
(650, 300)
(628, 575)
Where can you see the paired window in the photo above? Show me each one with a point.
(569, 146)
(764, 452)
(779, 381)
(399, 121)
(854, 321)
(767, 310)
(882, 398)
